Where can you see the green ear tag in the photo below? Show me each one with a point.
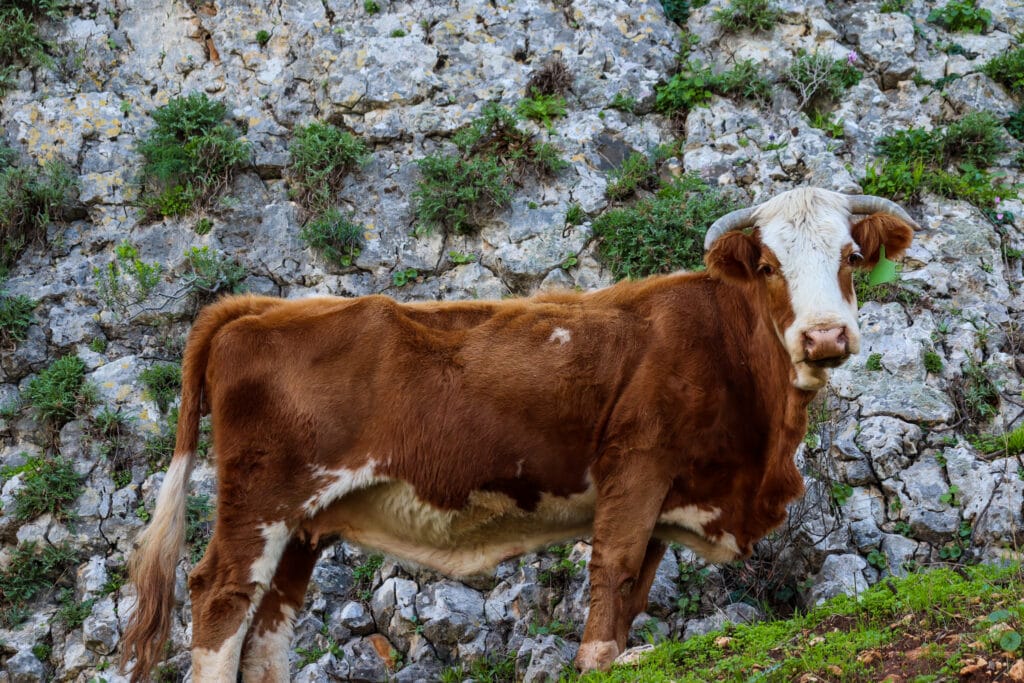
(884, 270)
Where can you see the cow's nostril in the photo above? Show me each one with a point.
(826, 343)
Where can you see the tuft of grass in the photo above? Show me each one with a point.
(1010, 443)
(575, 215)
(190, 156)
(874, 362)
(30, 199)
(262, 37)
(336, 236)
(31, 571)
(49, 485)
(15, 318)
(321, 156)
(663, 233)
(961, 16)
(60, 391)
(543, 109)
(371, 6)
(932, 362)
(363, 575)
(741, 15)
(162, 383)
(694, 85)
(1007, 69)
(636, 172)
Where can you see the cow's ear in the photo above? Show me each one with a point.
(733, 256)
(878, 229)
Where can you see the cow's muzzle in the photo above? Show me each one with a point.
(826, 347)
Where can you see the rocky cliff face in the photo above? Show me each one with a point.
(903, 463)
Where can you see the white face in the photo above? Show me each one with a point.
(808, 231)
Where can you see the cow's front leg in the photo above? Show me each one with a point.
(624, 558)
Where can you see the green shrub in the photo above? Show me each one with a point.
(543, 109)
(575, 215)
(31, 571)
(336, 236)
(961, 17)
(127, 280)
(49, 485)
(59, 391)
(977, 138)
(262, 37)
(661, 234)
(20, 42)
(623, 102)
(637, 171)
(874, 362)
(496, 134)
(694, 85)
(739, 15)
(211, 272)
(1007, 69)
(371, 6)
(1015, 125)
(15, 318)
(817, 78)
(190, 156)
(322, 155)
(73, 613)
(30, 199)
(943, 161)
(162, 383)
(455, 193)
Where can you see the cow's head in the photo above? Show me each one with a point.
(802, 251)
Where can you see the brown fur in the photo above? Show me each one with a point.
(668, 392)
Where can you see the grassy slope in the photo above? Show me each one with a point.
(950, 623)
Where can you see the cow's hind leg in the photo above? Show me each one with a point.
(636, 601)
(265, 654)
(227, 586)
(628, 504)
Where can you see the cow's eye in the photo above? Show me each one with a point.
(765, 269)
(855, 258)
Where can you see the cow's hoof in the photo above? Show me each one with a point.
(596, 656)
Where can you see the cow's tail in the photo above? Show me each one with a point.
(152, 566)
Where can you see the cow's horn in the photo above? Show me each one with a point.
(863, 204)
(734, 220)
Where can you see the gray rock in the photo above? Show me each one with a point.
(890, 443)
(23, 667)
(839, 574)
(735, 613)
(450, 613)
(924, 484)
(100, 629)
(356, 618)
(543, 659)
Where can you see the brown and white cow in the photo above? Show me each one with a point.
(459, 434)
